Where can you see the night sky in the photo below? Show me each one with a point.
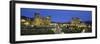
(58, 15)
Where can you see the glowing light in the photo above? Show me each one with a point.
(23, 20)
(26, 23)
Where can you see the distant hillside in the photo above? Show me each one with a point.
(27, 18)
(88, 22)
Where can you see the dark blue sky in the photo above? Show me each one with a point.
(58, 15)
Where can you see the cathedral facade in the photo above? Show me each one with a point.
(40, 20)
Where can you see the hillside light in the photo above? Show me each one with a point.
(23, 20)
(26, 23)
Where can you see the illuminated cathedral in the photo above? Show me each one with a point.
(40, 20)
(37, 21)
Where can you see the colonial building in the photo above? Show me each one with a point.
(40, 20)
(37, 20)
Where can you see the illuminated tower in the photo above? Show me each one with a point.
(37, 19)
(48, 20)
(76, 20)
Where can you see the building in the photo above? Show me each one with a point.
(40, 20)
